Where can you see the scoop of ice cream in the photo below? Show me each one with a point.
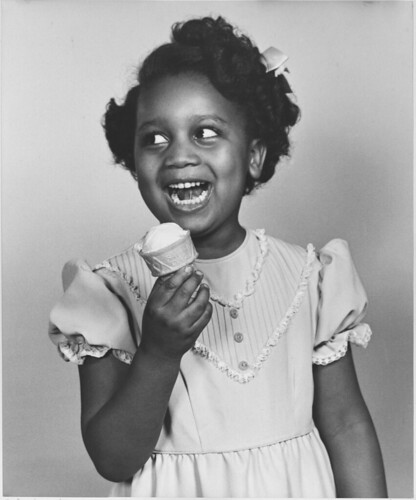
(161, 236)
(166, 248)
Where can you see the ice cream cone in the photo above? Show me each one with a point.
(177, 251)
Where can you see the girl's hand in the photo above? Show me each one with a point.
(172, 320)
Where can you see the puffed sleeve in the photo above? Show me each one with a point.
(342, 305)
(89, 319)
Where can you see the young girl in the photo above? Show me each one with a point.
(232, 377)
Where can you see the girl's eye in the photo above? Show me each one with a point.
(206, 133)
(158, 139)
(154, 139)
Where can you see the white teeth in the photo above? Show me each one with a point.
(196, 200)
(185, 185)
(193, 201)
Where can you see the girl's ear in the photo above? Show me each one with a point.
(258, 152)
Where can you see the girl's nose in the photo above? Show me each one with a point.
(182, 154)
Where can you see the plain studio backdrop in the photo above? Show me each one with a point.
(349, 176)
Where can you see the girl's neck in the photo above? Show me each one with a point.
(219, 243)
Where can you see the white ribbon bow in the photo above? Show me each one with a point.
(274, 60)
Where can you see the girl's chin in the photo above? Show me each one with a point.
(196, 227)
(197, 221)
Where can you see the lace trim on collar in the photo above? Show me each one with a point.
(243, 378)
(252, 279)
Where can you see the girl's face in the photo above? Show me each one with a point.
(192, 155)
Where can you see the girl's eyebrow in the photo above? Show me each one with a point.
(211, 117)
(158, 121)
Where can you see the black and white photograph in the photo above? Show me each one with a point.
(207, 248)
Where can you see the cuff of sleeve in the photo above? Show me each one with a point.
(337, 346)
(75, 348)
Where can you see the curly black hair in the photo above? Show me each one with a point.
(233, 64)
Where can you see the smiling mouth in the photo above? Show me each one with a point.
(189, 194)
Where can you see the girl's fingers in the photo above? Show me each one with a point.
(165, 287)
(182, 296)
(199, 312)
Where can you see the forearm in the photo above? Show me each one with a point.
(123, 407)
(346, 428)
(122, 435)
(356, 460)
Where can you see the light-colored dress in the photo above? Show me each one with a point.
(239, 421)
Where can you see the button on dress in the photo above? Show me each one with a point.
(239, 421)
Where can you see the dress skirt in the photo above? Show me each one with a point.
(295, 468)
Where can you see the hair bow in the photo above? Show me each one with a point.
(274, 60)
